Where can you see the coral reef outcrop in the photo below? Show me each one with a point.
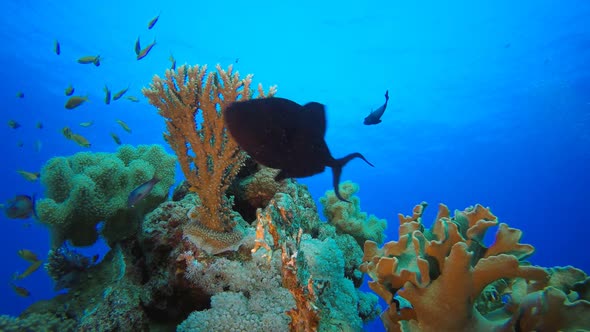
(87, 188)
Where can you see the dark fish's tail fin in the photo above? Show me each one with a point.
(337, 166)
(386, 96)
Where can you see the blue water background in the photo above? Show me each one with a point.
(490, 100)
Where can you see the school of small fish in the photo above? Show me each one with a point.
(23, 206)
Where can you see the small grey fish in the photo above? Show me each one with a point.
(375, 116)
(141, 192)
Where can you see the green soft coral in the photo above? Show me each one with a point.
(348, 218)
(87, 188)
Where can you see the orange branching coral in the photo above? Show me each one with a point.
(441, 271)
(208, 156)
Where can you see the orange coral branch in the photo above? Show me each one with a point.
(208, 156)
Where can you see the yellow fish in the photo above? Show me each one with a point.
(153, 21)
(32, 268)
(75, 101)
(21, 291)
(20, 94)
(116, 138)
(39, 125)
(95, 59)
(132, 98)
(28, 255)
(124, 126)
(120, 94)
(107, 95)
(80, 140)
(29, 176)
(67, 132)
(86, 124)
(144, 52)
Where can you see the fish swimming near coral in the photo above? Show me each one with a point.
(75, 101)
(116, 138)
(28, 255)
(95, 59)
(281, 134)
(13, 124)
(107, 95)
(153, 22)
(375, 116)
(124, 126)
(86, 124)
(172, 62)
(120, 94)
(142, 191)
(20, 207)
(144, 52)
(29, 176)
(20, 291)
(69, 90)
(32, 268)
(137, 47)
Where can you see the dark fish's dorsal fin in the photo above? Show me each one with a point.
(317, 114)
(337, 166)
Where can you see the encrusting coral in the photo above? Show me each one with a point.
(208, 156)
(87, 188)
(435, 279)
(348, 218)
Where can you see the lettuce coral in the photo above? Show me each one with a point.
(87, 188)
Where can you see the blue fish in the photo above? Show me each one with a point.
(20, 207)
(141, 192)
(375, 116)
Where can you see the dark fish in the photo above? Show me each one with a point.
(375, 116)
(20, 207)
(137, 47)
(142, 191)
(56, 47)
(284, 135)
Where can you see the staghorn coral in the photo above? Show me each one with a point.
(87, 188)
(442, 270)
(348, 218)
(208, 156)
